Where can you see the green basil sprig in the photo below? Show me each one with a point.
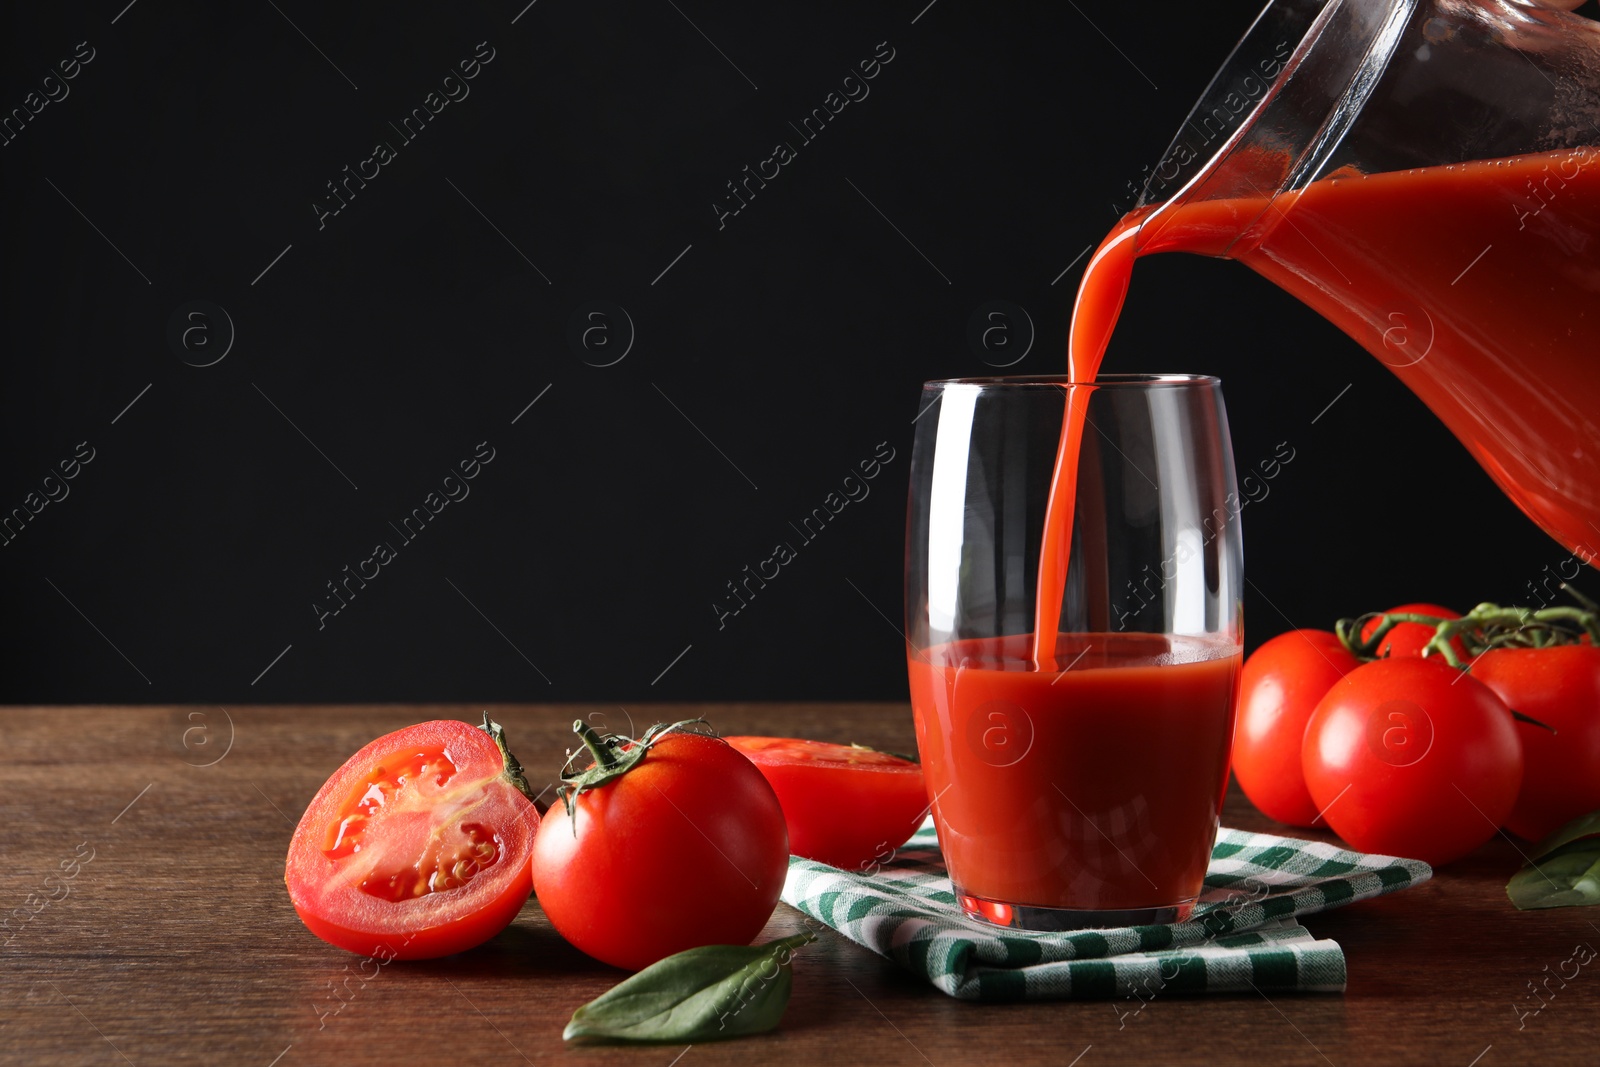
(1565, 871)
(703, 994)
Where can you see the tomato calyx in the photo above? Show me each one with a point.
(1487, 626)
(513, 773)
(614, 756)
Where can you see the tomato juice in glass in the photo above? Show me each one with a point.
(1097, 787)
(1075, 781)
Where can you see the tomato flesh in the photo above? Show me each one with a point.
(845, 806)
(447, 860)
(419, 846)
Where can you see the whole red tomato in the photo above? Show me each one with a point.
(1411, 757)
(418, 846)
(1560, 687)
(684, 846)
(1409, 638)
(843, 804)
(1279, 689)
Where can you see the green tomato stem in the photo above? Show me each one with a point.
(1487, 626)
(604, 755)
(513, 772)
(612, 758)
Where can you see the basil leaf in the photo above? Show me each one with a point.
(703, 994)
(1581, 827)
(1568, 877)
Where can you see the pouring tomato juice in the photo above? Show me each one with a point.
(1475, 283)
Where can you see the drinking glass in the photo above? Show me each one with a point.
(1074, 782)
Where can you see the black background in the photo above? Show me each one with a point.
(999, 141)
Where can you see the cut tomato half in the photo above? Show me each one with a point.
(419, 846)
(844, 805)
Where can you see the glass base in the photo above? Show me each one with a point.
(1031, 917)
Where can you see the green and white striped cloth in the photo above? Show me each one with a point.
(1243, 935)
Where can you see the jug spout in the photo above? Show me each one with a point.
(1284, 98)
(1426, 175)
(1319, 87)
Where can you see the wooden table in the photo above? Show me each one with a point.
(176, 943)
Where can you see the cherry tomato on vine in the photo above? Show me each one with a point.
(1411, 757)
(672, 842)
(1278, 690)
(419, 846)
(1560, 687)
(843, 804)
(1409, 638)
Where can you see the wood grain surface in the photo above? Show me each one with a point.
(175, 942)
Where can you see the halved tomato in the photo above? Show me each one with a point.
(419, 846)
(844, 805)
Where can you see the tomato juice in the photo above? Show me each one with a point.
(1094, 787)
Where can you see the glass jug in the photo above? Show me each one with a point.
(1426, 175)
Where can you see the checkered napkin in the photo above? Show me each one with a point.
(1243, 934)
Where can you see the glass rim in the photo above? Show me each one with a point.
(1104, 381)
